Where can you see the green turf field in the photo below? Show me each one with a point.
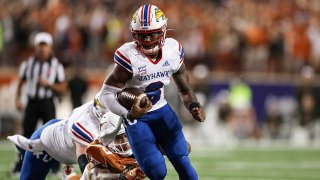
(229, 163)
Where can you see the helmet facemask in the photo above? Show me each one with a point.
(150, 41)
(120, 145)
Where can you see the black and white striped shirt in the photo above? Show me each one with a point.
(33, 69)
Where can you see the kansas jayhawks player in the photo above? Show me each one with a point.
(112, 161)
(62, 141)
(148, 63)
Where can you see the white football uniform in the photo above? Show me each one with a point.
(81, 126)
(148, 75)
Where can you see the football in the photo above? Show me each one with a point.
(127, 96)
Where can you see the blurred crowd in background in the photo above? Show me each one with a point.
(233, 36)
(226, 35)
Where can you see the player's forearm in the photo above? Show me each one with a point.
(188, 98)
(182, 81)
(108, 98)
(81, 155)
(112, 85)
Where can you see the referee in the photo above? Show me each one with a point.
(44, 78)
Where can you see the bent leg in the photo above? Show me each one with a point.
(146, 151)
(158, 170)
(37, 165)
(178, 156)
(170, 136)
(184, 168)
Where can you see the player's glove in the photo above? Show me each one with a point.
(197, 111)
(98, 154)
(137, 111)
(132, 174)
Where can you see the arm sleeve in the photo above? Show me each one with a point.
(108, 98)
(81, 134)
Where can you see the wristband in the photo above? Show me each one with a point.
(194, 105)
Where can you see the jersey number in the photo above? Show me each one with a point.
(153, 91)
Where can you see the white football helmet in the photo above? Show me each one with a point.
(98, 109)
(112, 134)
(148, 27)
(121, 145)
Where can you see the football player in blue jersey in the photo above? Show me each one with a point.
(148, 63)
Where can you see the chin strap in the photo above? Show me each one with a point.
(150, 51)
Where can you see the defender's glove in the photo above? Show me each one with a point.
(98, 154)
(132, 174)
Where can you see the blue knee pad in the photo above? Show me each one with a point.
(154, 166)
(184, 168)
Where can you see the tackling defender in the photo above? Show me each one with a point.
(148, 63)
(112, 161)
(62, 141)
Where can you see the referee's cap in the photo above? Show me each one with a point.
(43, 37)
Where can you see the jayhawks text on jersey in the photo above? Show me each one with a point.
(148, 75)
